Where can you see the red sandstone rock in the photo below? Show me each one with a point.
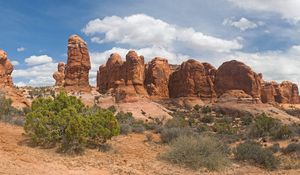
(286, 92)
(78, 66)
(157, 77)
(235, 75)
(59, 75)
(6, 69)
(6, 83)
(192, 79)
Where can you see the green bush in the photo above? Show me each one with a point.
(252, 151)
(66, 121)
(5, 105)
(293, 147)
(263, 126)
(196, 152)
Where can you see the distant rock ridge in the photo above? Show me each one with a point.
(6, 83)
(232, 81)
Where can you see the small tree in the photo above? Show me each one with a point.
(65, 120)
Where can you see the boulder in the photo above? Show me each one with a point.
(78, 66)
(192, 79)
(59, 75)
(235, 75)
(157, 77)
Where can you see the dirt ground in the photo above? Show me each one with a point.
(129, 155)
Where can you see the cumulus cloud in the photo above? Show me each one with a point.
(36, 60)
(39, 74)
(20, 49)
(288, 9)
(274, 65)
(143, 31)
(243, 24)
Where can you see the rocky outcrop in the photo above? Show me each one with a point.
(78, 66)
(6, 83)
(235, 75)
(6, 69)
(59, 75)
(192, 79)
(157, 77)
(285, 92)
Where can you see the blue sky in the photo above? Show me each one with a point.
(263, 34)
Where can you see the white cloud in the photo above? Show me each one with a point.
(15, 63)
(288, 9)
(39, 74)
(36, 60)
(20, 49)
(243, 24)
(143, 31)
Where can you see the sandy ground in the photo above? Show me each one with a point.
(130, 155)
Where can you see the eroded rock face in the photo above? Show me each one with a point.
(235, 75)
(78, 66)
(157, 77)
(285, 92)
(135, 72)
(192, 79)
(6, 83)
(109, 73)
(59, 75)
(6, 69)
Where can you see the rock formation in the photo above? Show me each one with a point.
(286, 92)
(59, 75)
(6, 68)
(78, 66)
(6, 83)
(233, 81)
(192, 79)
(235, 75)
(157, 77)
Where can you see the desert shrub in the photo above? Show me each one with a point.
(125, 129)
(224, 128)
(263, 126)
(176, 122)
(253, 151)
(169, 134)
(275, 148)
(281, 132)
(138, 126)
(207, 118)
(125, 118)
(206, 109)
(293, 147)
(197, 107)
(5, 105)
(196, 152)
(65, 120)
(112, 108)
(247, 119)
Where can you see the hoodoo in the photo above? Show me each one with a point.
(78, 66)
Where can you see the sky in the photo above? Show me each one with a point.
(262, 34)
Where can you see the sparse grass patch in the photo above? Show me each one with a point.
(197, 151)
(252, 151)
